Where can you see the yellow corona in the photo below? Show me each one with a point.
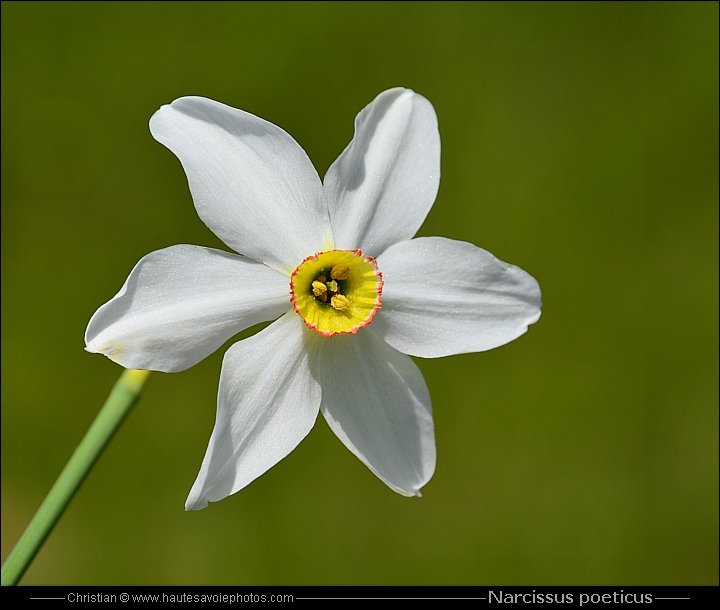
(337, 292)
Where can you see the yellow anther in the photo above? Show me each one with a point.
(340, 272)
(319, 288)
(340, 302)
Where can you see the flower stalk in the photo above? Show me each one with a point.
(122, 398)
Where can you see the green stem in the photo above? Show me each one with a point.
(123, 396)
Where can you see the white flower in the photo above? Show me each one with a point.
(336, 265)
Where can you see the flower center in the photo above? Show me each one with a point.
(337, 292)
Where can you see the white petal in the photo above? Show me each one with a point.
(267, 403)
(444, 297)
(384, 183)
(376, 401)
(252, 184)
(182, 303)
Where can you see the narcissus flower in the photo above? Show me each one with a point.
(334, 263)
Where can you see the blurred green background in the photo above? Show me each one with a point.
(580, 142)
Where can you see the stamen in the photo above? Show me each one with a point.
(340, 272)
(319, 289)
(340, 302)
